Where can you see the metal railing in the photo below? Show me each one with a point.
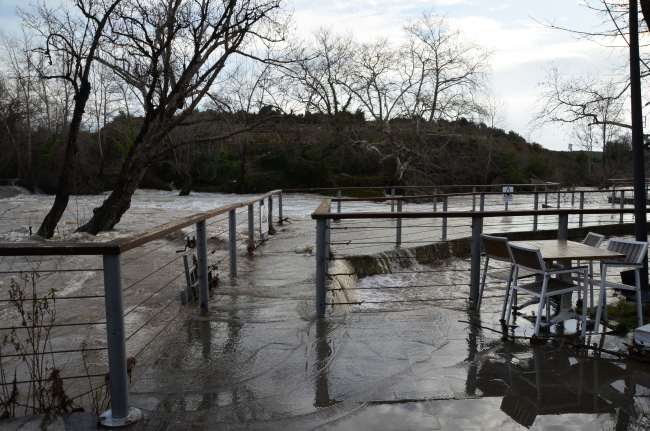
(324, 216)
(121, 412)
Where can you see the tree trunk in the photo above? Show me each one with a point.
(645, 11)
(119, 201)
(187, 186)
(67, 169)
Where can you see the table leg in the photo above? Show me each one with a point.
(566, 312)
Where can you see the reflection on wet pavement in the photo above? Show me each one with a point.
(261, 361)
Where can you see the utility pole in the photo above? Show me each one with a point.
(638, 161)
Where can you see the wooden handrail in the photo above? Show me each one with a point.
(469, 214)
(329, 189)
(120, 245)
(442, 195)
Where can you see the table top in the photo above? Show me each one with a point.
(560, 249)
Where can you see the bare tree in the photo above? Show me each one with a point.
(70, 40)
(584, 101)
(493, 114)
(172, 52)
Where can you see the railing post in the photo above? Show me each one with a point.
(328, 239)
(338, 204)
(251, 226)
(444, 219)
(321, 267)
(475, 274)
(482, 202)
(620, 220)
(270, 213)
(202, 264)
(120, 413)
(261, 206)
(398, 239)
(563, 227)
(280, 208)
(473, 198)
(559, 196)
(535, 207)
(613, 194)
(435, 200)
(232, 242)
(582, 206)
(392, 202)
(573, 195)
(545, 196)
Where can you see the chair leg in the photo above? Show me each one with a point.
(505, 300)
(512, 298)
(538, 321)
(542, 300)
(639, 305)
(480, 292)
(601, 299)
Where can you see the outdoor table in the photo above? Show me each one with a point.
(565, 251)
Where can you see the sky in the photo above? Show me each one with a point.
(524, 49)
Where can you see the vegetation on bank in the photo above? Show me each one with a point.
(317, 150)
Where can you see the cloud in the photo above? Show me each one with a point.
(492, 9)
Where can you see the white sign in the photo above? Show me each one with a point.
(570, 147)
(507, 194)
(264, 219)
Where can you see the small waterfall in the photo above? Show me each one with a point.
(343, 285)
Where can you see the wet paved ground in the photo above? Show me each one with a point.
(262, 361)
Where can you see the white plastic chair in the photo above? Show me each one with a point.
(634, 252)
(528, 258)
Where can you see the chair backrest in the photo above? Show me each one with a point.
(634, 250)
(496, 247)
(593, 239)
(528, 257)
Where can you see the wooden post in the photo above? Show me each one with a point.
(338, 204)
(559, 196)
(613, 194)
(280, 208)
(392, 202)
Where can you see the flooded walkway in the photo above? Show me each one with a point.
(262, 361)
(411, 356)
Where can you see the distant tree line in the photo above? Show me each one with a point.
(119, 94)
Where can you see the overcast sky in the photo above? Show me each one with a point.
(523, 47)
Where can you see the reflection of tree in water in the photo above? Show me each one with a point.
(538, 381)
(321, 367)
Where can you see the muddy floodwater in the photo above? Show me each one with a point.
(399, 350)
